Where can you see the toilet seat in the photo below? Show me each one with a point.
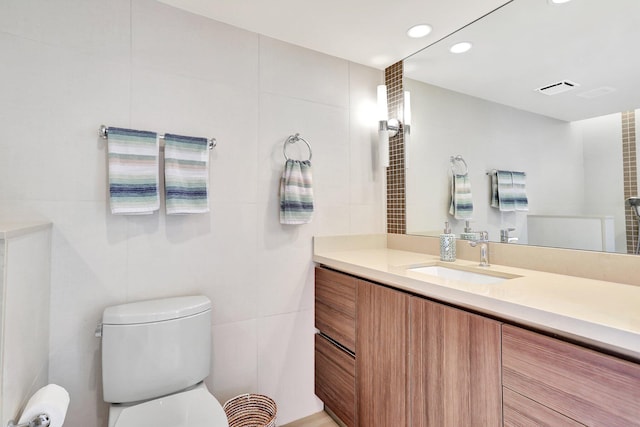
(192, 408)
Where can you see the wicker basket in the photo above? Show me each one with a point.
(251, 410)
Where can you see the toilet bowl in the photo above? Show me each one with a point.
(155, 356)
(195, 407)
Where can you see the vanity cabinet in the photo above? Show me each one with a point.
(566, 382)
(388, 358)
(454, 367)
(417, 363)
(381, 363)
(335, 344)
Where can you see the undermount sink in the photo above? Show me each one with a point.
(458, 275)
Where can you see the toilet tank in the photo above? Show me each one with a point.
(154, 348)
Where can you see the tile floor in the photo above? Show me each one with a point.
(321, 419)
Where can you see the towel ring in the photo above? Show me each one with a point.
(292, 139)
(455, 162)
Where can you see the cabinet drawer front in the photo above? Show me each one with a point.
(587, 386)
(335, 307)
(520, 411)
(336, 325)
(335, 382)
(337, 291)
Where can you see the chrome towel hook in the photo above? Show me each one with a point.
(292, 139)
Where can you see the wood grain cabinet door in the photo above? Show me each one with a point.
(335, 382)
(454, 367)
(381, 360)
(589, 387)
(520, 411)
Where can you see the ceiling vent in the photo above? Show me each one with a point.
(558, 87)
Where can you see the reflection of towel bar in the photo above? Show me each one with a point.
(104, 132)
(492, 171)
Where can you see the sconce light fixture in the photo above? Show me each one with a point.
(387, 127)
(407, 127)
(407, 112)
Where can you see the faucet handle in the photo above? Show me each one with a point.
(504, 234)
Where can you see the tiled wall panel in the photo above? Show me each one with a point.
(630, 176)
(396, 222)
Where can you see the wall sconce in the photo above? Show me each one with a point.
(390, 127)
(407, 128)
(407, 112)
(383, 126)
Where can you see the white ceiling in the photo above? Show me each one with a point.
(369, 32)
(528, 44)
(522, 46)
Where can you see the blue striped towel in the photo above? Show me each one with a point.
(520, 200)
(461, 206)
(186, 174)
(508, 191)
(133, 171)
(296, 192)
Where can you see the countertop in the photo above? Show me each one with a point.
(9, 229)
(600, 314)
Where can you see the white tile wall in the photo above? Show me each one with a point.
(25, 320)
(69, 67)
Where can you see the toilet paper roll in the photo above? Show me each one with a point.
(52, 400)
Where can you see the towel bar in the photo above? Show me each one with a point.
(104, 132)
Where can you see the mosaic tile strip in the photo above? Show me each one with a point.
(630, 167)
(396, 222)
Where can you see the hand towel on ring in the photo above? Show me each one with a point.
(296, 192)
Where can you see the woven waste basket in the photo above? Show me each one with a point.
(251, 410)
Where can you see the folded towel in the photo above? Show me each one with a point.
(508, 191)
(186, 174)
(133, 171)
(505, 191)
(296, 193)
(461, 206)
(521, 203)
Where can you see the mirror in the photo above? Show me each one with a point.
(567, 138)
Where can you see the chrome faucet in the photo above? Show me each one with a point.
(504, 236)
(484, 248)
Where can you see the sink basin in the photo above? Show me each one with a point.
(458, 275)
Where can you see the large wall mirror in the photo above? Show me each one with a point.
(567, 139)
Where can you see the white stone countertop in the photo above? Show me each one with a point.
(605, 315)
(9, 229)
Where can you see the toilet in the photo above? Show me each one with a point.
(155, 356)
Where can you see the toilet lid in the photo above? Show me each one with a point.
(193, 408)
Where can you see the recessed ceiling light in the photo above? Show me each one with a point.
(558, 1)
(460, 47)
(418, 31)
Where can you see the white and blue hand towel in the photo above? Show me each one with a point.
(461, 206)
(296, 192)
(508, 191)
(133, 171)
(186, 174)
(520, 200)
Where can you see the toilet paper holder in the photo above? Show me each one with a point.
(41, 420)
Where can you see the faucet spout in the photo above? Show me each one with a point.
(484, 248)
